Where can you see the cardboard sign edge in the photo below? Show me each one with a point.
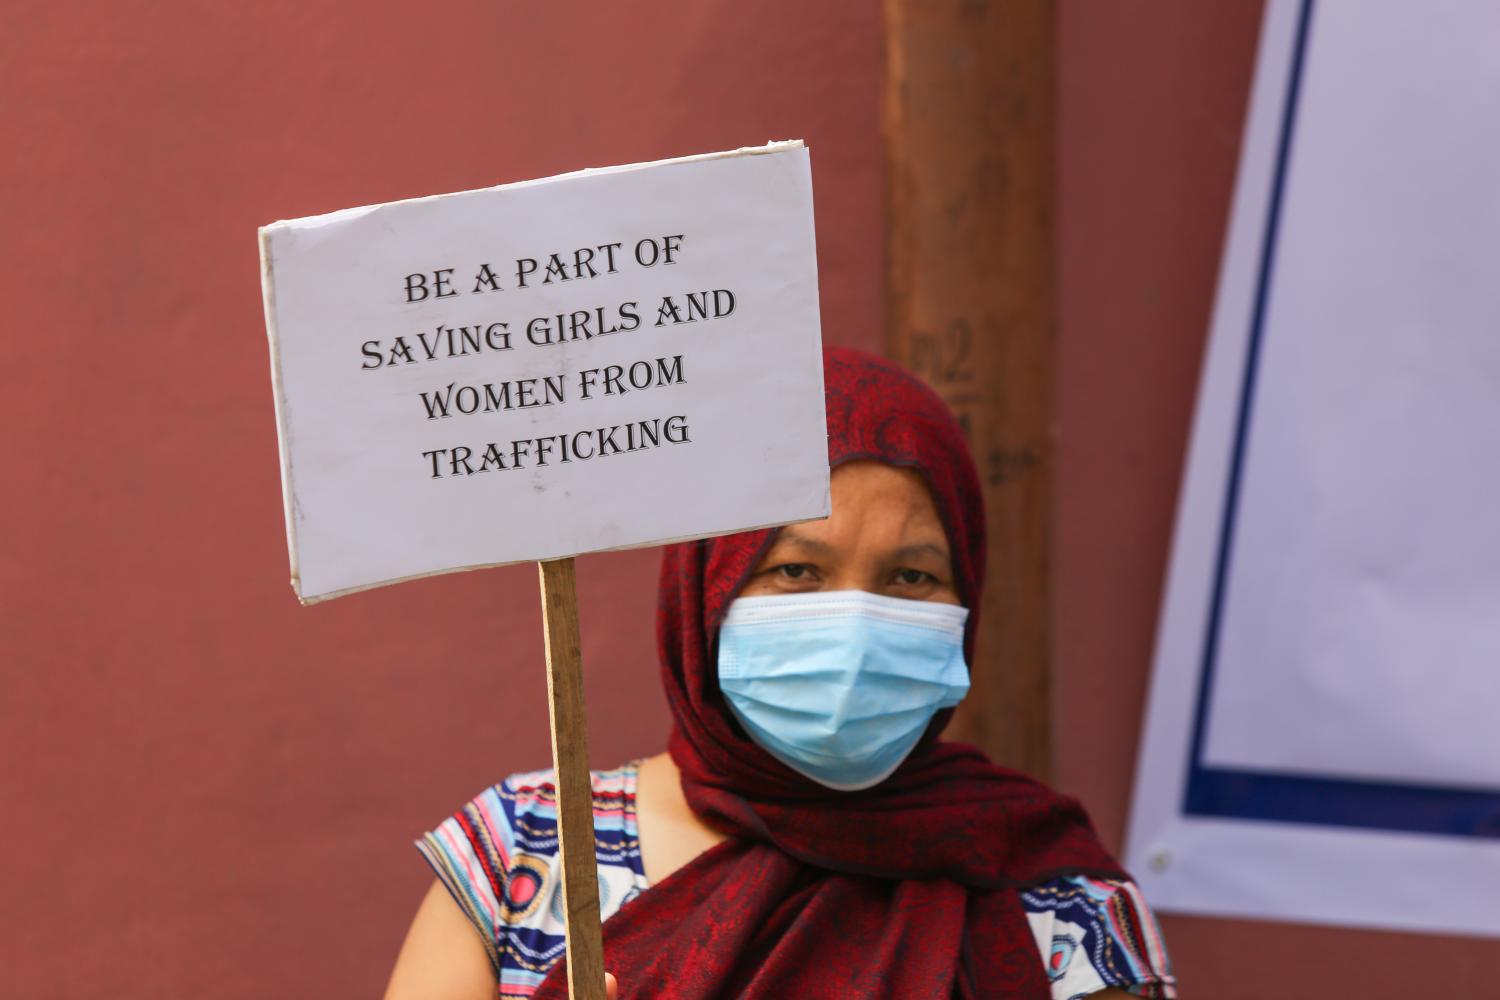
(278, 392)
(339, 215)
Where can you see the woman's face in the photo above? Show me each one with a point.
(883, 535)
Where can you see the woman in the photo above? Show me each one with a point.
(807, 835)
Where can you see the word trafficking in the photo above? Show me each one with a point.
(573, 446)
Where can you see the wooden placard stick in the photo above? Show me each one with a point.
(575, 796)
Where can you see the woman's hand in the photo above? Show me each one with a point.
(611, 987)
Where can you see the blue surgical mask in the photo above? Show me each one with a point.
(840, 686)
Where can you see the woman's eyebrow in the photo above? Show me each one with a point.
(789, 537)
(918, 549)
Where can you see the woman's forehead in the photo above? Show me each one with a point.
(861, 485)
(873, 503)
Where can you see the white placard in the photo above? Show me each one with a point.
(1320, 744)
(600, 360)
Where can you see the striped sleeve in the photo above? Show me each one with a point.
(470, 853)
(1096, 934)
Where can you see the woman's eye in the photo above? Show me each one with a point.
(912, 577)
(795, 571)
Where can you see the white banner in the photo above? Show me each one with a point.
(1321, 743)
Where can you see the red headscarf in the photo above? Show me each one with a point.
(905, 890)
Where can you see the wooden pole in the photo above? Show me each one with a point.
(969, 138)
(575, 795)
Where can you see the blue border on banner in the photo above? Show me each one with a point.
(1288, 798)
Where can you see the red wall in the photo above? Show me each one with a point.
(210, 791)
(1151, 101)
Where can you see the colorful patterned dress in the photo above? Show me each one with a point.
(498, 857)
